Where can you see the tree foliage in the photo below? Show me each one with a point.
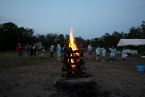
(11, 34)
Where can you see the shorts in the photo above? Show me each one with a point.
(20, 53)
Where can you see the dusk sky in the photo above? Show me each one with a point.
(89, 18)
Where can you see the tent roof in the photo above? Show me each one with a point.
(131, 42)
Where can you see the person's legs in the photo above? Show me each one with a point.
(123, 59)
(51, 54)
(97, 57)
(103, 58)
(19, 56)
(113, 59)
(58, 56)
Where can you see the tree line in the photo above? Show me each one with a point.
(11, 34)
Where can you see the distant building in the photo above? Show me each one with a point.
(134, 46)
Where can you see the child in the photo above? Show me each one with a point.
(113, 53)
(103, 54)
(124, 54)
(19, 51)
(42, 52)
(98, 53)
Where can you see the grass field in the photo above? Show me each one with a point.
(36, 76)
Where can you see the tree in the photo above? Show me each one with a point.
(51, 39)
(11, 34)
(8, 32)
(142, 26)
(25, 36)
(80, 42)
(116, 36)
(42, 39)
(94, 42)
(60, 39)
(107, 40)
(134, 33)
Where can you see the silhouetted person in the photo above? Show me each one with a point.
(124, 54)
(113, 53)
(51, 50)
(58, 51)
(103, 50)
(19, 51)
(98, 53)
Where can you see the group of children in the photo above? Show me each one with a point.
(114, 54)
(27, 50)
(30, 51)
(100, 54)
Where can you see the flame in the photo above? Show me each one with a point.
(72, 43)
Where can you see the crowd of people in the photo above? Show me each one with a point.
(114, 55)
(29, 50)
(102, 53)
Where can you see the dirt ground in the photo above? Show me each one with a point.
(36, 76)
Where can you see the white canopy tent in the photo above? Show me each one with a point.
(131, 42)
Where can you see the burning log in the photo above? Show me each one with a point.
(75, 81)
(73, 64)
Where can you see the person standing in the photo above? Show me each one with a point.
(58, 51)
(19, 51)
(113, 53)
(124, 54)
(90, 52)
(90, 49)
(98, 53)
(51, 50)
(118, 55)
(103, 53)
(43, 51)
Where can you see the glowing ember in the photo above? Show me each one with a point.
(73, 66)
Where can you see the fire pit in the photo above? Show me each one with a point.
(74, 81)
(73, 64)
